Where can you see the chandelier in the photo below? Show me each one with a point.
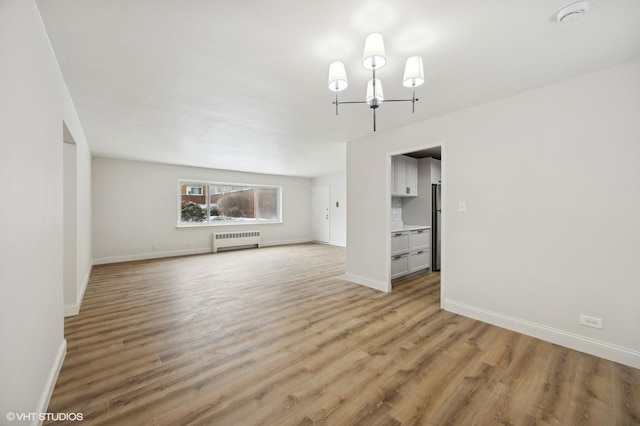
(373, 59)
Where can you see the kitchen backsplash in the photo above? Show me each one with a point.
(396, 212)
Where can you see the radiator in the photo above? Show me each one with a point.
(241, 239)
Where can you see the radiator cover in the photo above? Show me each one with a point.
(241, 239)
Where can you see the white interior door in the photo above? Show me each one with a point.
(320, 201)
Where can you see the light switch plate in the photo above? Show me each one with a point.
(462, 206)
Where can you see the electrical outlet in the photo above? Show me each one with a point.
(190, 243)
(591, 321)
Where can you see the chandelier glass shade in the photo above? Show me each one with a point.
(337, 77)
(373, 59)
(374, 93)
(373, 56)
(413, 72)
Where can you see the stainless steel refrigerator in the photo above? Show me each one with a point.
(436, 220)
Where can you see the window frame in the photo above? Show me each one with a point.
(207, 195)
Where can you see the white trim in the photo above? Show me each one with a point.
(227, 223)
(85, 283)
(444, 159)
(50, 384)
(174, 253)
(285, 242)
(74, 309)
(387, 220)
(443, 179)
(71, 310)
(367, 282)
(564, 338)
(151, 255)
(331, 243)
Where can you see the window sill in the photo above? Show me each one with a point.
(215, 225)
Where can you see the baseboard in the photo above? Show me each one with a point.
(330, 243)
(74, 309)
(338, 243)
(285, 242)
(50, 384)
(151, 255)
(376, 285)
(580, 343)
(71, 310)
(85, 283)
(174, 253)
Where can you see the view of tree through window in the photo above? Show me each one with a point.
(218, 203)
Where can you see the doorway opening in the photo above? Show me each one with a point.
(417, 182)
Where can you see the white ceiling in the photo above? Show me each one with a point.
(241, 85)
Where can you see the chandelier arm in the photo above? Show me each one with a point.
(400, 100)
(365, 102)
(352, 102)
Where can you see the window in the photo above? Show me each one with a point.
(194, 190)
(214, 203)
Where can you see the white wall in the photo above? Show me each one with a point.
(135, 209)
(34, 103)
(551, 179)
(338, 214)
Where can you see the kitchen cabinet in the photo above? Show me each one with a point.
(419, 239)
(399, 265)
(410, 250)
(418, 210)
(411, 176)
(404, 176)
(419, 260)
(399, 243)
(436, 172)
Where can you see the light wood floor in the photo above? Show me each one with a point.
(274, 337)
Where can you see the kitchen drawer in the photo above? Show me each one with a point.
(399, 265)
(419, 239)
(399, 243)
(419, 260)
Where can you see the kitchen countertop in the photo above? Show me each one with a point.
(411, 228)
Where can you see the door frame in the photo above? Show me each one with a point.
(443, 217)
(70, 298)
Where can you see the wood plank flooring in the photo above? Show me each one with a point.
(273, 336)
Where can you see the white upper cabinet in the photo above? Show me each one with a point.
(411, 172)
(398, 175)
(404, 176)
(435, 172)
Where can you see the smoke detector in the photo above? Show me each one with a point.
(573, 12)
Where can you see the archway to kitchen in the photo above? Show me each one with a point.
(417, 231)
